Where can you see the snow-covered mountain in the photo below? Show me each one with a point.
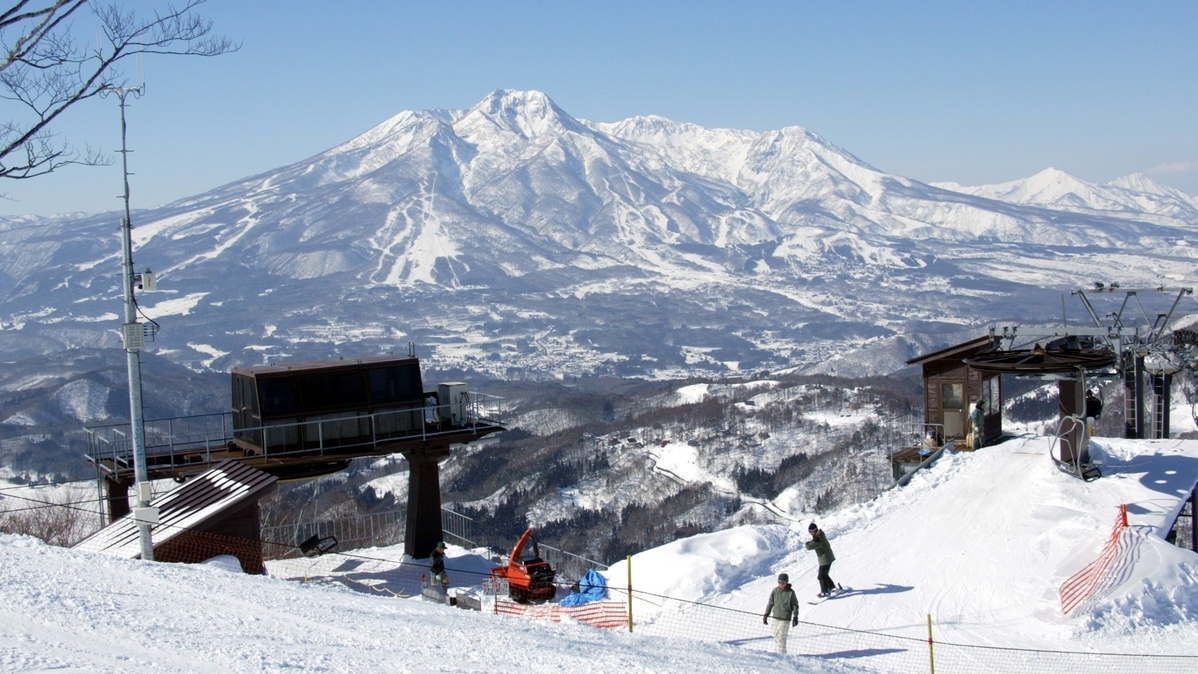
(1133, 194)
(513, 240)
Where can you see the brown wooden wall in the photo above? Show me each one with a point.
(937, 372)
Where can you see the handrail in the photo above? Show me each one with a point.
(175, 437)
(922, 464)
(918, 430)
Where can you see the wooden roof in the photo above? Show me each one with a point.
(955, 352)
(226, 486)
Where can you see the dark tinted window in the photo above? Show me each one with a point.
(243, 394)
(321, 391)
(277, 396)
(395, 383)
(238, 386)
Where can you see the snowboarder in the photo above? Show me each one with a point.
(783, 607)
(823, 550)
(437, 567)
(977, 424)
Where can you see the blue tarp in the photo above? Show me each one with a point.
(592, 587)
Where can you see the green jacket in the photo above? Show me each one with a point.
(823, 549)
(977, 419)
(783, 604)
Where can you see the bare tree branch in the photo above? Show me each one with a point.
(45, 72)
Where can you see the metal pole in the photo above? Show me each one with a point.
(628, 559)
(931, 647)
(134, 337)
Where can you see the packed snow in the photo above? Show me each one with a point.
(978, 544)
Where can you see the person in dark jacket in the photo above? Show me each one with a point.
(437, 567)
(783, 607)
(1093, 405)
(823, 551)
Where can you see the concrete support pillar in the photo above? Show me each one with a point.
(116, 497)
(423, 530)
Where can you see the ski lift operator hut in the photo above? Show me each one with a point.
(951, 387)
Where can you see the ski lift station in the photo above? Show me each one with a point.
(301, 420)
(1138, 349)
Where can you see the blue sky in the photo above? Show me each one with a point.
(971, 92)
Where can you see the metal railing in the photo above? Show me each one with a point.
(457, 526)
(388, 528)
(177, 435)
(178, 441)
(915, 434)
(910, 438)
(569, 566)
(370, 530)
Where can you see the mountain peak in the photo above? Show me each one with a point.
(401, 128)
(1053, 173)
(1055, 188)
(525, 113)
(1140, 183)
(650, 124)
(1050, 186)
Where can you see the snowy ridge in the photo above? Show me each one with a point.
(1054, 188)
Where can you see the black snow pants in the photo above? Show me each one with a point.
(825, 581)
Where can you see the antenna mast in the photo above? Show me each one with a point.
(134, 335)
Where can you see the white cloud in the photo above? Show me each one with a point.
(1175, 167)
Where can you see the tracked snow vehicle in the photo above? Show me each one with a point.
(530, 578)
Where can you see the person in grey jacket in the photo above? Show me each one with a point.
(823, 553)
(977, 424)
(783, 607)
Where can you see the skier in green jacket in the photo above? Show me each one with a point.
(783, 607)
(823, 550)
(977, 424)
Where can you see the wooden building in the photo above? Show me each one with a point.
(951, 387)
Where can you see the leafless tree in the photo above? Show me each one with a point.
(63, 519)
(45, 71)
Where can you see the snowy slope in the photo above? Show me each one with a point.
(66, 611)
(980, 541)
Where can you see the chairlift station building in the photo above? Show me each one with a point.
(303, 420)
